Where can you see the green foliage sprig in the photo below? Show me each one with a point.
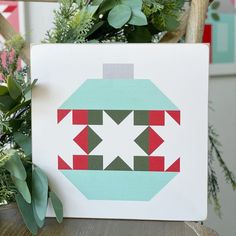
(20, 179)
(108, 20)
(164, 15)
(214, 153)
(72, 23)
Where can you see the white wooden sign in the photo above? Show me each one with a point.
(121, 129)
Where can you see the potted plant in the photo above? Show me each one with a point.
(20, 179)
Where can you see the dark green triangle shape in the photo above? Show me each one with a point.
(118, 115)
(93, 140)
(118, 164)
(142, 140)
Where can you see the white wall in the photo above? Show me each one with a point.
(38, 19)
(223, 95)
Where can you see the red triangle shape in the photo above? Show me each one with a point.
(82, 139)
(61, 114)
(175, 167)
(175, 115)
(62, 165)
(10, 9)
(154, 141)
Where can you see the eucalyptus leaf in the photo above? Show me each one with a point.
(107, 5)
(138, 18)
(15, 167)
(39, 222)
(119, 16)
(134, 4)
(3, 90)
(22, 187)
(39, 192)
(27, 214)
(57, 206)
(14, 88)
(24, 142)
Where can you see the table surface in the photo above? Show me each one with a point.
(11, 224)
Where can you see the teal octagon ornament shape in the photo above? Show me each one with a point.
(141, 177)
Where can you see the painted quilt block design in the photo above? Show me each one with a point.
(121, 131)
(118, 139)
(221, 36)
(11, 12)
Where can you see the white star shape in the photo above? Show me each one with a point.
(118, 140)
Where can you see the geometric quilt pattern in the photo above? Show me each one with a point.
(148, 140)
(118, 138)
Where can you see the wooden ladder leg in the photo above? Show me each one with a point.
(196, 21)
(7, 31)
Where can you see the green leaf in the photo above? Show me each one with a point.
(107, 5)
(39, 192)
(3, 90)
(171, 23)
(119, 16)
(215, 16)
(140, 35)
(14, 88)
(93, 41)
(215, 5)
(27, 91)
(24, 142)
(15, 166)
(14, 125)
(180, 3)
(33, 83)
(6, 103)
(27, 214)
(96, 2)
(28, 96)
(57, 206)
(95, 28)
(39, 222)
(18, 107)
(92, 9)
(138, 18)
(134, 4)
(22, 187)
